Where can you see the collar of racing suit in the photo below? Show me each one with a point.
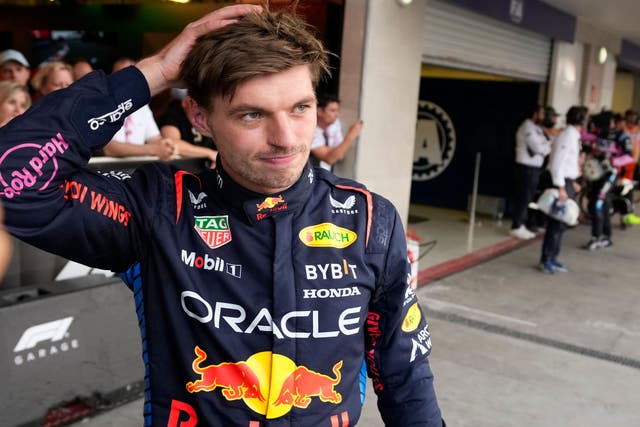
(258, 206)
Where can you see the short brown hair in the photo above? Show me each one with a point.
(258, 44)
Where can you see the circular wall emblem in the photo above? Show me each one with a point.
(435, 142)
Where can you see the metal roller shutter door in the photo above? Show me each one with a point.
(459, 38)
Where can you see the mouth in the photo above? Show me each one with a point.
(280, 159)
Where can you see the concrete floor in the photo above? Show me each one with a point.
(515, 347)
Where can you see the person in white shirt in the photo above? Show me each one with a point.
(139, 135)
(329, 146)
(564, 168)
(532, 146)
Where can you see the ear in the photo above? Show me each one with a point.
(197, 116)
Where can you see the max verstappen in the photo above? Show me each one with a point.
(265, 289)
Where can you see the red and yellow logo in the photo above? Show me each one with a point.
(270, 203)
(252, 381)
(327, 235)
(412, 319)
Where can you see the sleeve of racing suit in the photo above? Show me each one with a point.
(51, 201)
(398, 340)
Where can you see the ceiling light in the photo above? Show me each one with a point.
(602, 55)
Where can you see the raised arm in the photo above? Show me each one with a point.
(331, 155)
(51, 200)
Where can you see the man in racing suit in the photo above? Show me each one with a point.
(260, 303)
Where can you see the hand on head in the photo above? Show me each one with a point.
(162, 69)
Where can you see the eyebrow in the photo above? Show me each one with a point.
(242, 108)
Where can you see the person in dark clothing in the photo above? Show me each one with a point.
(259, 304)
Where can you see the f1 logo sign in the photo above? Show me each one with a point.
(51, 331)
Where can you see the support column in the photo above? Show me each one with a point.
(379, 82)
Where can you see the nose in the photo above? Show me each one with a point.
(282, 130)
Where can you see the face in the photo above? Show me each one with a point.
(14, 105)
(58, 79)
(15, 72)
(538, 116)
(263, 134)
(328, 114)
(631, 119)
(80, 69)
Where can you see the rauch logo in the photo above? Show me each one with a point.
(214, 230)
(327, 235)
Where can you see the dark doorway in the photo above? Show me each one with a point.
(485, 116)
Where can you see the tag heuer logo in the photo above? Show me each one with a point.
(214, 230)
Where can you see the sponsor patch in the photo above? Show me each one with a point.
(412, 319)
(269, 206)
(343, 207)
(332, 271)
(212, 263)
(74, 190)
(119, 175)
(214, 230)
(327, 235)
(41, 168)
(421, 345)
(269, 383)
(112, 116)
(198, 202)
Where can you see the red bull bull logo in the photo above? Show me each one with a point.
(237, 380)
(303, 384)
(270, 203)
(269, 206)
(266, 374)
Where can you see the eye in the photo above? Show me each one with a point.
(300, 108)
(251, 116)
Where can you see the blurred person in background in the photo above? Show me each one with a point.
(52, 76)
(329, 146)
(139, 135)
(14, 100)
(175, 124)
(14, 67)
(564, 167)
(81, 67)
(532, 147)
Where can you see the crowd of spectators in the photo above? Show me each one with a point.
(139, 136)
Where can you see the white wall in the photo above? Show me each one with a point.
(389, 76)
(566, 76)
(598, 79)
